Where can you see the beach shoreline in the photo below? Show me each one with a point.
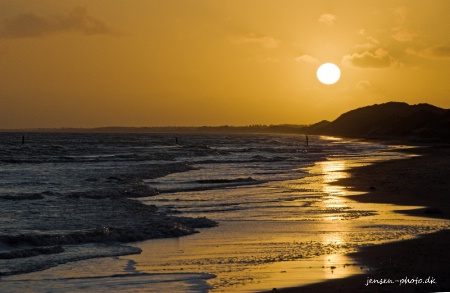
(412, 265)
(283, 244)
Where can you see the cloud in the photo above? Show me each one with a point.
(29, 25)
(327, 19)
(437, 52)
(377, 59)
(307, 59)
(402, 33)
(264, 41)
(365, 85)
(400, 14)
(370, 44)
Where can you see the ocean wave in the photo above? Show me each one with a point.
(32, 158)
(217, 209)
(220, 181)
(254, 159)
(22, 253)
(151, 226)
(202, 186)
(30, 196)
(150, 171)
(61, 220)
(132, 192)
(71, 253)
(103, 234)
(174, 282)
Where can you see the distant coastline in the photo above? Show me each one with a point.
(225, 129)
(392, 120)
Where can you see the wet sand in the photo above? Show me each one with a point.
(419, 181)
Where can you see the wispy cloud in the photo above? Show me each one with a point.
(30, 25)
(365, 85)
(437, 52)
(327, 18)
(400, 14)
(264, 41)
(380, 58)
(402, 32)
(370, 44)
(307, 59)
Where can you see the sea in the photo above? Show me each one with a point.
(139, 212)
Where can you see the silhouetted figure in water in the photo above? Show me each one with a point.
(307, 140)
(23, 139)
(176, 140)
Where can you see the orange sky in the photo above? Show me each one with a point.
(90, 63)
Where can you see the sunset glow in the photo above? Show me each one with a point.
(81, 63)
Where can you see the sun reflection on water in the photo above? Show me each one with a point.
(333, 170)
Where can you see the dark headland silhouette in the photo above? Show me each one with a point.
(393, 119)
(388, 120)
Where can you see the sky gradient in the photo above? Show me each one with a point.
(92, 63)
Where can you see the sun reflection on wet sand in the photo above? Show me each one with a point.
(300, 236)
(295, 273)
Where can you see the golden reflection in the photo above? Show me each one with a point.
(332, 171)
(337, 265)
(333, 138)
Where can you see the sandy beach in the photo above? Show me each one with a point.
(418, 265)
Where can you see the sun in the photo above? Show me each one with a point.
(328, 73)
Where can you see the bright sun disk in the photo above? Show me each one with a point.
(328, 73)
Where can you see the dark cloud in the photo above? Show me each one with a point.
(29, 25)
(440, 52)
(377, 59)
